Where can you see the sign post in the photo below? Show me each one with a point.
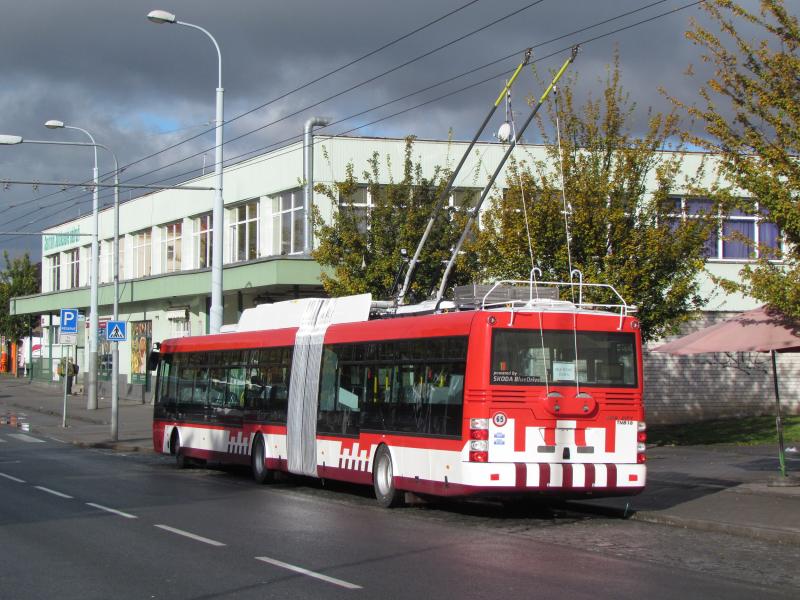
(67, 334)
(116, 331)
(66, 377)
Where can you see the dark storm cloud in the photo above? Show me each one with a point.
(139, 87)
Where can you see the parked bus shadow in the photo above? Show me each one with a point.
(671, 489)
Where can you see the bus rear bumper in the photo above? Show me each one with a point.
(558, 478)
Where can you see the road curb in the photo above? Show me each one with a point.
(114, 446)
(761, 533)
(53, 413)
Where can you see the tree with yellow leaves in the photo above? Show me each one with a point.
(750, 110)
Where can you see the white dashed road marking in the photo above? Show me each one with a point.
(198, 538)
(55, 493)
(302, 571)
(12, 478)
(112, 510)
(25, 438)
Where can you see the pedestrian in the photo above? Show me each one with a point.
(75, 370)
(68, 375)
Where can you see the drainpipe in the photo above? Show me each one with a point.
(308, 177)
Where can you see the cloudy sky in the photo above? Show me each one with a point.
(144, 89)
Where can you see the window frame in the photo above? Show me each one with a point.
(142, 251)
(55, 271)
(292, 216)
(246, 227)
(73, 264)
(203, 230)
(756, 217)
(171, 235)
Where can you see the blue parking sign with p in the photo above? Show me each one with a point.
(69, 320)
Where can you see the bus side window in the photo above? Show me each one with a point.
(217, 386)
(185, 384)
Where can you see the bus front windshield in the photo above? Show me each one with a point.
(591, 358)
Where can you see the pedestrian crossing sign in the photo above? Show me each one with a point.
(117, 331)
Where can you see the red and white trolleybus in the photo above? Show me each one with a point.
(519, 394)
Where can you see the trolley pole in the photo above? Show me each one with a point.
(488, 187)
(443, 195)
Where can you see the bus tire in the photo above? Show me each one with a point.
(258, 461)
(386, 493)
(175, 448)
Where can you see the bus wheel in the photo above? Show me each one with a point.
(258, 458)
(175, 448)
(387, 495)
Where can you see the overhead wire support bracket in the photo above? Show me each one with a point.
(446, 191)
(65, 184)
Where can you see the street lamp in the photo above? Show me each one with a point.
(91, 401)
(215, 316)
(8, 140)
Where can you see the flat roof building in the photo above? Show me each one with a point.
(165, 246)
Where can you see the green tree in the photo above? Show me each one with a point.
(20, 278)
(750, 110)
(618, 189)
(361, 247)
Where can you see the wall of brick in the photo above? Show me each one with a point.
(682, 389)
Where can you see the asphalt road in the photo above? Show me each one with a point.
(78, 523)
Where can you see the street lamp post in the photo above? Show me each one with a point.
(15, 139)
(215, 316)
(91, 399)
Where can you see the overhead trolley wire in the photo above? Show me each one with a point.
(460, 90)
(354, 87)
(300, 87)
(313, 81)
(357, 85)
(442, 82)
(419, 91)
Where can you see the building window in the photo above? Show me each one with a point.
(179, 328)
(769, 236)
(464, 199)
(357, 206)
(121, 246)
(74, 267)
(202, 241)
(141, 253)
(244, 232)
(106, 261)
(55, 272)
(171, 247)
(739, 233)
(698, 207)
(288, 222)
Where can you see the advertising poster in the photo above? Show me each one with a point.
(141, 333)
(103, 352)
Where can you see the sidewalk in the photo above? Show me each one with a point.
(42, 405)
(716, 488)
(709, 488)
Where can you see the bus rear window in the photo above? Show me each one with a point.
(534, 357)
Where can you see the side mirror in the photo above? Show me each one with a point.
(152, 360)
